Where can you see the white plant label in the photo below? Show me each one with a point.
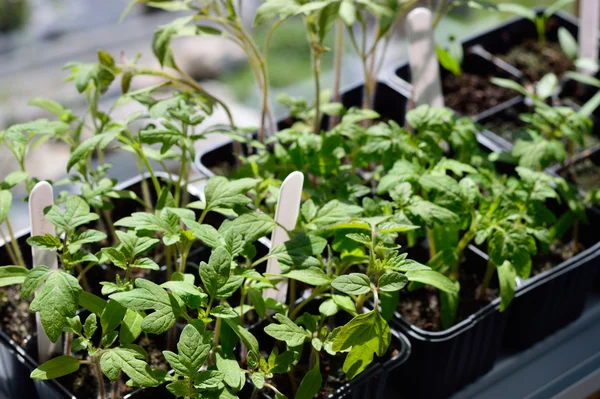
(41, 197)
(286, 216)
(422, 58)
(589, 24)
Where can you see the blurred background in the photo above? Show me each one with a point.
(38, 37)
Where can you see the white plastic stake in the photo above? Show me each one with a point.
(286, 215)
(589, 24)
(422, 58)
(41, 197)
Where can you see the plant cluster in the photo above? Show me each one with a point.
(154, 261)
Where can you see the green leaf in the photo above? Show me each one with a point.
(131, 327)
(512, 85)
(258, 302)
(447, 61)
(216, 273)
(91, 302)
(568, 43)
(133, 246)
(205, 233)
(247, 338)
(5, 203)
(12, 179)
(85, 148)
(518, 9)
(546, 86)
(328, 308)
(54, 368)
(365, 335)
(392, 281)
(287, 331)
(515, 246)
(192, 349)
(432, 278)
(258, 380)
(90, 326)
(58, 300)
(47, 242)
(221, 193)
(148, 295)
(352, 284)
(209, 379)
(10, 275)
(347, 12)
(310, 384)
(299, 249)
(161, 43)
(112, 316)
(234, 377)
(272, 8)
(77, 213)
(34, 280)
(115, 256)
(507, 276)
(312, 276)
(131, 360)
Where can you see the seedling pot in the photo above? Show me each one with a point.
(389, 103)
(472, 93)
(453, 357)
(554, 298)
(370, 383)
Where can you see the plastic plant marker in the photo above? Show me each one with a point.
(42, 196)
(286, 216)
(424, 66)
(589, 14)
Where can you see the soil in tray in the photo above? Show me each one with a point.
(557, 253)
(536, 61)
(585, 173)
(470, 94)
(422, 307)
(505, 124)
(15, 319)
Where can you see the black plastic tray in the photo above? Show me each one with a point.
(443, 362)
(553, 299)
(389, 103)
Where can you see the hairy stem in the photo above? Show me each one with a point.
(489, 272)
(99, 378)
(9, 250)
(14, 244)
(115, 387)
(317, 75)
(339, 48)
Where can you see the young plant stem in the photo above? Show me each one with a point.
(489, 272)
(99, 378)
(316, 292)
(115, 387)
(9, 250)
(540, 25)
(68, 343)
(14, 244)
(292, 295)
(431, 239)
(169, 261)
(110, 225)
(316, 58)
(339, 48)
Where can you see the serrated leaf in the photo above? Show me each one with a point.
(57, 300)
(392, 281)
(10, 275)
(433, 278)
(131, 360)
(216, 273)
(352, 284)
(287, 331)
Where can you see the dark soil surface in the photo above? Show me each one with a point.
(559, 252)
(15, 319)
(505, 124)
(422, 307)
(471, 94)
(585, 173)
(536, 61)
